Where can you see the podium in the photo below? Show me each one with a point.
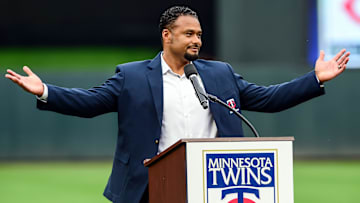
(219, 170)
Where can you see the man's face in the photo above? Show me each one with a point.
(183, 39)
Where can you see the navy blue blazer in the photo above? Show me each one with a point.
(136, 93)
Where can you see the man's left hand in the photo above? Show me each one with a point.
(327, 70)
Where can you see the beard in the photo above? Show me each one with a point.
(191, 57)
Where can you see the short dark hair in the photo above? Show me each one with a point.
(169, 16)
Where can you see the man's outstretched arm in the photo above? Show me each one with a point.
(282, 96)
(70, 101)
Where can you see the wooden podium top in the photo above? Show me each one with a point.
(220, 139)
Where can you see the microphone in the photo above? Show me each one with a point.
(192, 74)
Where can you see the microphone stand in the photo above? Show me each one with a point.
(214, 99)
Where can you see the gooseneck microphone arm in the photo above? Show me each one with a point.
(192, 74)
(214, 99)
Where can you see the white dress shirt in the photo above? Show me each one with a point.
(183, 115)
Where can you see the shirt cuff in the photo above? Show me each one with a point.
(320, 83)
(45, 94)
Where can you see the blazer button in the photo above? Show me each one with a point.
(157, 141)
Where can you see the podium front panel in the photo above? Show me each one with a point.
(249, 171)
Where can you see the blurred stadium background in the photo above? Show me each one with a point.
(46, 156)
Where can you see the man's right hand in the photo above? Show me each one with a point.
(31, 83)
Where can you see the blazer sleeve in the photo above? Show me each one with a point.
(279, 97)
(84, 103)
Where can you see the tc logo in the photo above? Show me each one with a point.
(231, 103)
(240, 192)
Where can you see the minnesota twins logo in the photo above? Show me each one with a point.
(232, 104)
(242, 177)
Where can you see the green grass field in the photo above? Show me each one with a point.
(55, 182)
(71, 58)
(60, 182)
(327, 181)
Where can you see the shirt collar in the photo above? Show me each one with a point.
(165, 67)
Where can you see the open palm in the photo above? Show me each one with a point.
(327, 70)
(31, 83)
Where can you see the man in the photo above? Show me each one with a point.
(157, 105)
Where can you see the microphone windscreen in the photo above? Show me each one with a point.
(190, 69)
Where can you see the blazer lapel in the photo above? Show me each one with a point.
(154, 76)
(207, 78)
